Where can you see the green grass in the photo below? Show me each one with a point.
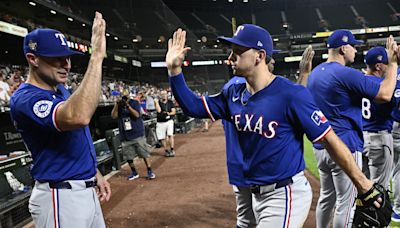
(311, 165)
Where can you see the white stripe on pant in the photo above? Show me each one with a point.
(283, 207)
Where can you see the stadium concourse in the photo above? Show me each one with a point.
(191, 190)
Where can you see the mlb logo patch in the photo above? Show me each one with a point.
(318, 117)
(345, 39)
(379, 58)
(259, 44)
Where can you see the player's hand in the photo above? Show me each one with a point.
(155, 100)
(176, 52)
(305, 65)
(393, 50)
(103, 188)
(98, 40)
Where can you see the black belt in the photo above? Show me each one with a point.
(67, 185)
(255, 189)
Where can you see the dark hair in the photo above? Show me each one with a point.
(125, 98)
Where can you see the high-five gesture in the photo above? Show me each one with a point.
(392, 48)
(176, 52)
(305, 65)
(98, 40)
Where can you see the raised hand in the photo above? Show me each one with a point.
(98, 40)
(305, 65)
(176, 52)
(393, 50)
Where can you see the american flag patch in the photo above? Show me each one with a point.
(318, 117)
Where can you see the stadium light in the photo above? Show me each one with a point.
(32, 3)
(107, 34)
(115, 37)
(53, 12)
(245, 1)
(70, 19)
(230, 0)
(83, 24)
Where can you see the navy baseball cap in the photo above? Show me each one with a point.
(48, 43)
(342, 37)
(376, 55)
(251, 36)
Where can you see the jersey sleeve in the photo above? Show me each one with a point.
(304, 113)
(357, 82)
(213, 107)
(37, 110)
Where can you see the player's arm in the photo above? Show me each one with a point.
(190, 103)
(341, 154)
(78, 109)
(103, 187)
(386, 89)
(305, 65)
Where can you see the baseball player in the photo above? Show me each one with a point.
(271, 115)
(245, 214)
(338, 90)
(54, 127)
(378, 123)
(396, 170)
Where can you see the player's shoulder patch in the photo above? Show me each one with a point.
(397, 93)
(318, 117)
(42, 108)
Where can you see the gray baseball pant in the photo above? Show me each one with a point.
(286, 206)
(337, 192)
(378, 157)
(78, 207)
(244, 207)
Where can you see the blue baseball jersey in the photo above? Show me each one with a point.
(129, 126)
(338, 90)
(377, 117)
(396, 110)
(234, 155)
(270, 124)
(57, 155)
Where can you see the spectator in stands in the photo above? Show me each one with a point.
(15, 80)
(131, 131)
(150, 106)
(165, 122)
(4, 90)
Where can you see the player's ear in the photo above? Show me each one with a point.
(342, 50)
(32, 59)
(260, 56)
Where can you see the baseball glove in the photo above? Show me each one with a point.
(366, 214)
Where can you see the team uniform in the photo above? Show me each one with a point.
(378, 140)
(270, 125)
(396, 170)
(234, 162)
(338, 90)
(64, 163)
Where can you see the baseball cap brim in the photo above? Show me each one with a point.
(356, 42)
(230, 40)
(61, 54)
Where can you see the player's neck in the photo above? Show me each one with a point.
(336, 58)
(374, 73)
(259, 81)
(35, 80)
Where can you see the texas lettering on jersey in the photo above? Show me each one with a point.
(255, 125)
